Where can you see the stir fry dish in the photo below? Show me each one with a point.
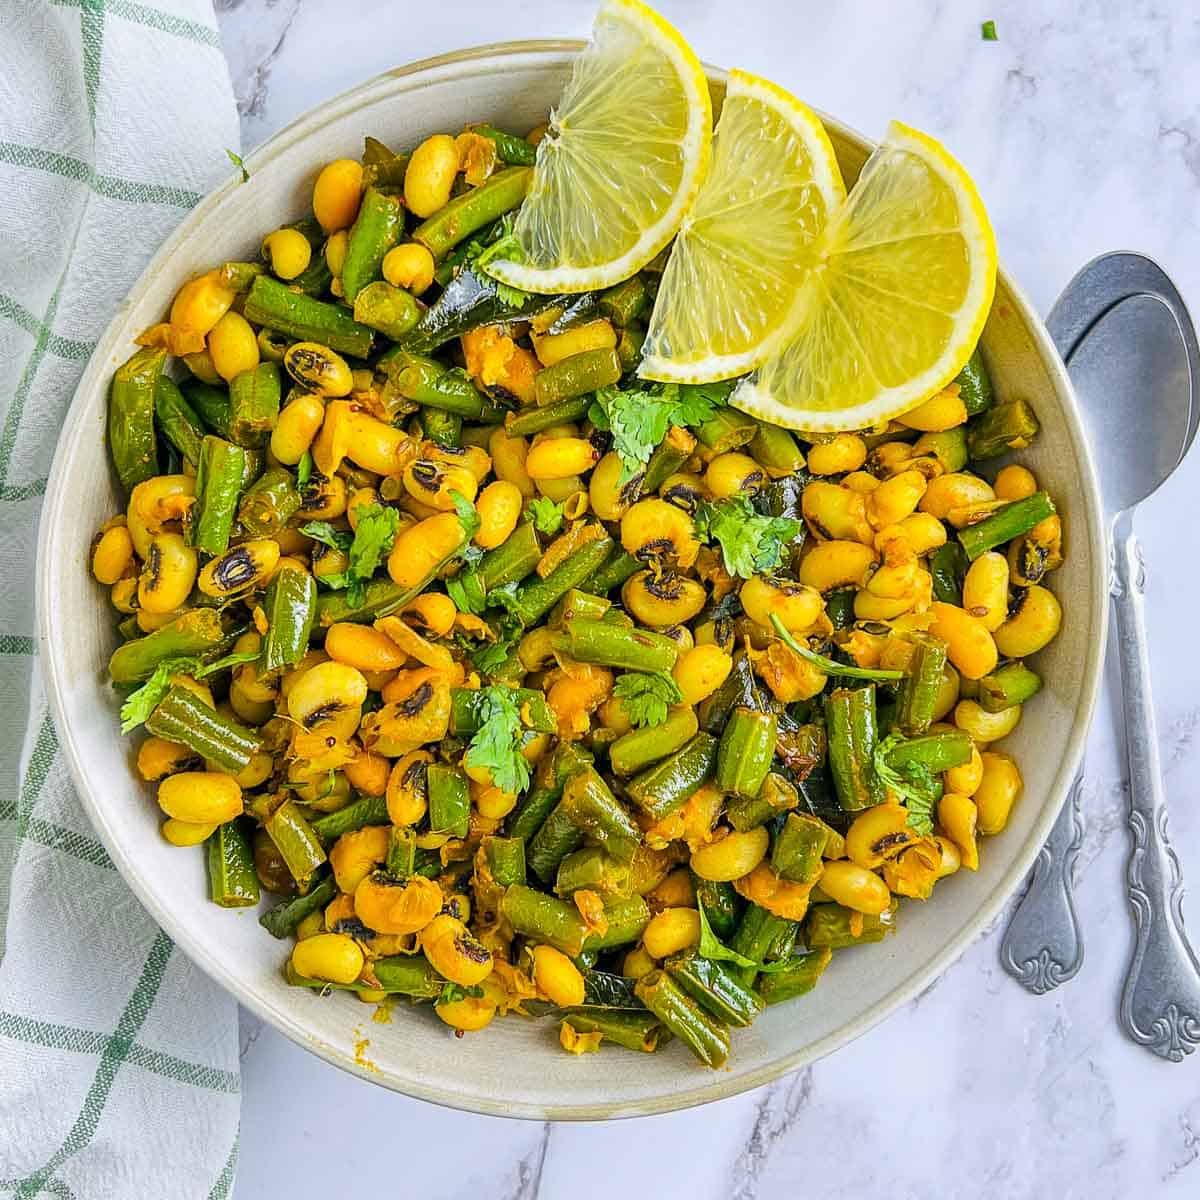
(522, 599)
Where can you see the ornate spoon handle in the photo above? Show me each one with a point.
(1042, 946)
(1160, 1004)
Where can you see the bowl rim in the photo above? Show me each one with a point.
(57, 506)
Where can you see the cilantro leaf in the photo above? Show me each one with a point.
(647, 696)
(452, 992)
(139, 704)
(751, 544)
(508, 248)
(372, 539)
(468, 518)
(323, 532)
(236, 159)
(914, 783)
(712, 948)
(547, 515)
(638, 421)
(696, 402)
(304, 468)
(497, 743)
(230, 660)
(467, 592)
(988, 31)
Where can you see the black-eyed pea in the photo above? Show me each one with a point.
(896, 498)
(670, 931)
(965, 778)
(112, 552)
(557, 976)
(955, 490)
(969, 645)
(609, 498)
(950, 859)
(233, 346)
(508, 456)
(157, 758)
(474, 457)
(656, 529)
(363, 648)
(733, 474)
(288, 251)
(836, 564)
(698, 672)
(835, 512)
(842, 453)
(1034, 621)
(491, 801)
(499, 509)
(204, 797)
(940, 412)
(168, 574)
(322, 498)
(862, 482)
(998, 791)
(879, 833)
(891, 457)
(468, 1013)
(360, 500)
(683, 489)
(983, 726)
(328, 699)
(318, 369)
(407, 788)
(367, 772)
(552, 348)
(186, 833)
(256, 772)
(985, 590)
(637, 963)
(154, 504)
(731, 856)
(419, 550)
(240, 569)
(561, 458)
(429, 176)
(409, 266)
(331, 957)
(336, 194)
(662, 600)
(356, 854)
(453, 951)
(795, 604)
(854, 887)
(124, 594)
(958, 816)
(148, 622)
(1015, 482)
(197, 307)
(923, 532)
(947, 694)
(335, 251)
(433, 613)
(296, 427)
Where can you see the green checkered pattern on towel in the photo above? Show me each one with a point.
(118, 1058)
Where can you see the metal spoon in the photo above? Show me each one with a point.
(1136, 365)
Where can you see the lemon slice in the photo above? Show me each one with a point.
(896, 300)
(729, 295)
(621, 162)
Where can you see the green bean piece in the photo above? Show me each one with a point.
(269, 503)
(511, 149)
(544, 918)
(505, 857)
(177, 419)
(466, 705)
(745, 752)
(232, 880)
(282, 920)
(626, 917)
(762, 937)
(369, 810)
(850, 720)
(276, 306)
(557, 837)
(211, 405)
(593, 869)
(609, 645)
(666, 786)
(254, 405)
(578, 605)
(1013, 683)
(290, 606)
(948, 567)
(534, 807)
(921, 684)
(1008, 425)
(375, 231)
(667, 457)
(1012, 521)
(512, 560)
(297, 842)
(181, 716)
(219, 478)
(578, 375)
(613, 572)
(975, 384)
(707, 1040)
(431, 384)
(194, 633)
(538, 596)
(936, 751)
(456, 221)
(401, 861)
(831, 926)
(625, 301)
(798, 847)
(238, 276)
(634, 1029)
(449, 800)
(715, 988)
(408, 975)
(272, 346)
(131, 416)
(727, 429)
(529, 421)
(949, 447)
(639, 748)
(721, 904)
(629, 347)
(797, 978)
(777, 795)
(591, 807)
(443, 428)
(390, 310)
(775, 450)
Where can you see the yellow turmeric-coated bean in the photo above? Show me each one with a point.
(1033, 625)
(455, 952)
(288, 251)
(922, 532)
(552, 348)
(469, 1014)
(499, 509)
(406, 788)
(985, 590)
(336, 194)
(855, 887)
(199, 305)
(661, 601)
(429, 177)
(156, 758)
(656, 529)
(947, 694)
(698, 672)
(318, 369)
(986, 726)
(186, 833)
(732, 474)
(835, 564)
(797, 605)
(998, 791)
(609, 498)
(675, 891)
(368, 772)
(557, 976)
(844, 452)
(433, 483)
(670, 931)
(965, 779)
(835, 513)
(508, 461)
(879, 833)
(952, 491)
(637, 963)
(560, 458)
(201, 796)
(896, 498)
(154, 504)
(335, 251)
(240, 569)
(168, 574)
(417, 551)
(328, 699)
(362, 647)
(409, 266)
(433, 612)
(1015, 482)
(332, 957)
(233, 346)
(356, 854)
(124, 594)
(958, 816)
(732, 856)
(951, 859)
(112, 555)
(941, 412)
(296, 427)
(969, 645)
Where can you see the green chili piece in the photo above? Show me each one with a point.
(534, 420)
(798, 847)
(370, 810)
(1009, 425)
(505, 858)
(254, 405)
(776, 795)
(715, 988)
(626, 917)
(290, 606)
(390, 310)
(831, 926)
(798, 977)
(1012, 521)
(441, 427)
(850, 721)
(537, 597)
(625, 301)
(921, 685)
(975, 384)
(666, 786)
(431, 384)
(269, 503)
(544, 918)
(211, 405)
(180, 424)
(590, 805)
(282, 920)
(635, 1029)
(511, 149)
(558, 836)
(727, 429)
(721, 904)
(449, 800)
(639, 748)
(294, 838)
(611, 645)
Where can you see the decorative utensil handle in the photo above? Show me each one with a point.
(1042, 946)
(1160, 1004)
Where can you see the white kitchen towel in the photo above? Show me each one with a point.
(118, 1058)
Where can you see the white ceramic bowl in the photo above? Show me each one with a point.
(516, 1068)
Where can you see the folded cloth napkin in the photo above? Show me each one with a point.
(118, 1058)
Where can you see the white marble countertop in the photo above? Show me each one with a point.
(1082, 127)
